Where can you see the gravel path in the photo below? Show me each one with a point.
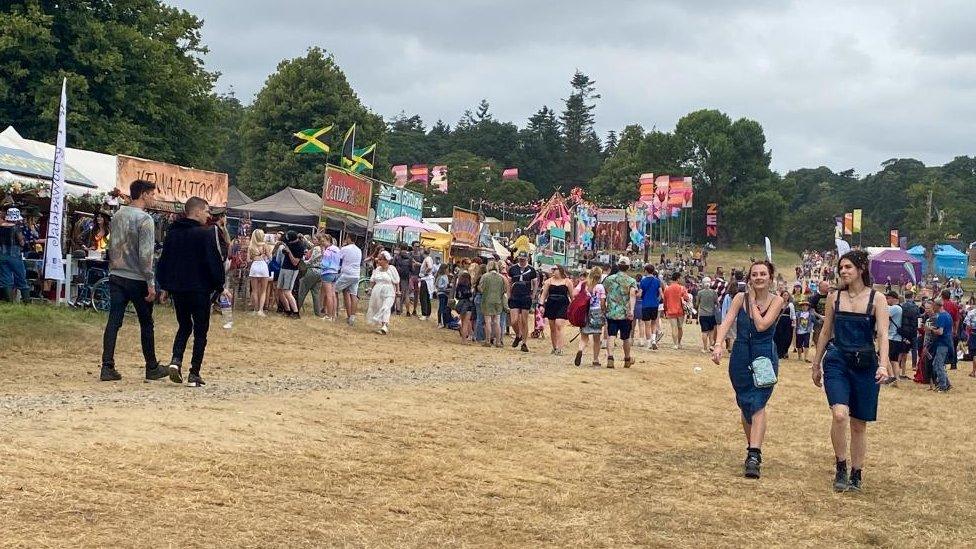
(165, 392)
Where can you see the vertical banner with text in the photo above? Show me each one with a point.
(711, 220)
(53, 258)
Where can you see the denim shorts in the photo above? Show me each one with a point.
(330, 278)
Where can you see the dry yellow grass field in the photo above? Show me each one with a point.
(312, 434)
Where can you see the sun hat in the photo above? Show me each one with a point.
(13, 215)
(623, 260)
(386, 255)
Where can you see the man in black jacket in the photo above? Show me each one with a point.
(192, 272)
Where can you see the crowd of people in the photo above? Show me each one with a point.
(863, 335)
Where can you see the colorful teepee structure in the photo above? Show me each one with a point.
(553, 215)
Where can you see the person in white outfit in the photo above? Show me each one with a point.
(385, 284)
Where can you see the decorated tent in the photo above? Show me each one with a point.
(891, 265)
(950, 262)
(553, 215)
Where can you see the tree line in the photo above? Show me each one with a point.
(138, 85)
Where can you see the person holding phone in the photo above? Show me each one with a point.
(852, 369)
(754, 313)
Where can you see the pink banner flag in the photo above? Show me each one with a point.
(400, 173)
(510, 174)
(439, 178)
(661, 186)
(418, 172)
(689, 193)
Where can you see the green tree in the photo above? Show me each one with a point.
(486, 137)
(304, 92)
(136, 81)
(618, 177)
(934, 217)
(610, 145)
(582, 154)
(540, 150)
(407, 141)
(230, 115)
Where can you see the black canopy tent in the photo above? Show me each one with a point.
(296, 208)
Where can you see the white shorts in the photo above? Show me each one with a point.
(259, 269)
(348, 283)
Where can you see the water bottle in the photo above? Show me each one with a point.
(226, 311)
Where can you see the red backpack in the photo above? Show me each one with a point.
(579, 308)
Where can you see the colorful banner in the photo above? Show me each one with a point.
(346, 193)
(893, 238)
(645, 189)
(711, 220)
(689, 193)
(611, 215)
(848, 224)
(637, 221)
(53, 256)
(394, 202)
(400, 174)
(585, 224)
(661, 185)
(174, 184)
(838, 227)
(418, 172)
(510, 174)
(465, 227)
(439, 178)
(856, 222)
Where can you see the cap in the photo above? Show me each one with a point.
(623, 260)
(523, 255)
(13, 215)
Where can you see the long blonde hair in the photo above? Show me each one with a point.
(257, 246)
(593, 278)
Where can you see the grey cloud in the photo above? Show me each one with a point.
(832, 83)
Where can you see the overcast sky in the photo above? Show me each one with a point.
(841, 84)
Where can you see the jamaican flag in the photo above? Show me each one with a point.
(310, 141)
(363, 159)
(347, 158)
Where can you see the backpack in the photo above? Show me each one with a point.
(579, 308)
(908, 329)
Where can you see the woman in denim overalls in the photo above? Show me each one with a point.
(755, 324)
(852, 369)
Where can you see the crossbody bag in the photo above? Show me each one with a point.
(763, 373)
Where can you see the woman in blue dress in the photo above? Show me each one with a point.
(852, 369)
(754, 313)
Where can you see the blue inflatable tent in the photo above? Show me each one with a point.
(950, 262)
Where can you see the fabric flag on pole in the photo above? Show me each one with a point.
(676, 193)
(769, 250)
(661, 185)
(311, 143)
(439, 178)
(509, 174)
(893, 238)
(842, 246)
(856, 222)
(848, 224)
(911, 271)
(689, 193)
(53, 257)
(399, 175)
(363, 159)
(418, 172)
(348, 148)
(838, 227)
(645, 188)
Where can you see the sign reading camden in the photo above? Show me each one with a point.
(346, 193)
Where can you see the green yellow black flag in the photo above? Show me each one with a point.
(347, 157)
(311, 144)
(363, 159)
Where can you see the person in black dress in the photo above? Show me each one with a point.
(557, 292)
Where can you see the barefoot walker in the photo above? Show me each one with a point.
(754, 313)
(852, 368)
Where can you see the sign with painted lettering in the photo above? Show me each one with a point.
(465, 227)
(346, 193)
(711, 220)
(174, 184)
(394, 202)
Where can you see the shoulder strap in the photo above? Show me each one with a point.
(870, 303)
(837, 302)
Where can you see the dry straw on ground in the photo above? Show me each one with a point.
(407, 447)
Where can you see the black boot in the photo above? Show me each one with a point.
(840, 477)
(855, 483)
(753, 462)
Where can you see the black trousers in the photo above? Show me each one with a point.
(123, 291)
(193, 316)
(424, 299)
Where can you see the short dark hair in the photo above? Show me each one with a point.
(139, 187)
(909, 295)
(946, 295)
(675, 276)
(649, 269)
(194, 203)
(291, 236)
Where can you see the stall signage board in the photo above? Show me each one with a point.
(465, 227)
(346, 193)
(394, 202)
(174, 184)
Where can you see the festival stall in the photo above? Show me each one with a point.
(896, 266)
(287, 208)
(345, 202)
(553, 224)
(393, 202)
(950, 262)
(466, 231)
